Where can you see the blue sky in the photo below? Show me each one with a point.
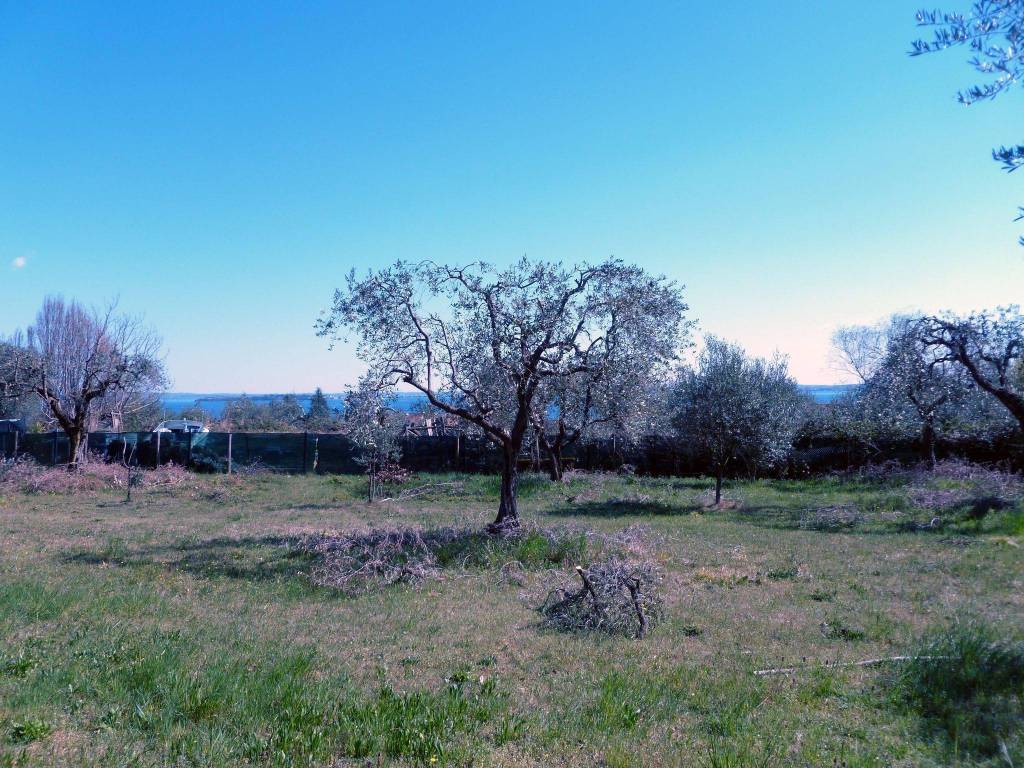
(221, 167)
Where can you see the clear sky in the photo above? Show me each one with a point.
(221, 166)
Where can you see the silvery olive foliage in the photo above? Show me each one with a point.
(905, 386)
(375, 428)
(483, 344)
(18, 367)
(733, 409)
(988, 345)
(993, 30)
(619, 392)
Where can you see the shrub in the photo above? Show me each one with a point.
(954, 483)
(968, 685)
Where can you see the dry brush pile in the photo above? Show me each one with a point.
(359, 560)
(956, 485)
(23, 475)
(619, 582)
(615, 595)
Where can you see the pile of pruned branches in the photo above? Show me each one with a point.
(24, 475)
(360, 560)
(616, 596)
(839, 517)
(382, 556)
(980, 488)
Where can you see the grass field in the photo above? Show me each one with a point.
(180, 628)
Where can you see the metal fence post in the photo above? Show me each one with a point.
(229, 453)
(53, 451)
(157, 464)
(305, 447)
(190, 436)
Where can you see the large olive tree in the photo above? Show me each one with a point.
(993, 32)
(988, 345)
(482, 343)
(615, 396)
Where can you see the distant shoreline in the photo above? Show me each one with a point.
(213, 403)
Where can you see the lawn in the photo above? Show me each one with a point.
(182, 628)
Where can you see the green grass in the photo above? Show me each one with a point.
(533, 549)
(180, 629)
(967, 683)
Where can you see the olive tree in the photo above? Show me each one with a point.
(375, 428)
(903, 382)
(617, 393)
(17, 370)
(83, 357)
(988, 345)
(734, 409)
(993, 31)
(482, 344)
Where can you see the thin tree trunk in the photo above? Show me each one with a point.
(928, 442)
(718, 487)
(555, 469)
(508, 512)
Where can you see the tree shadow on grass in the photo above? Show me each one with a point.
(970, 518)
(770, 516)
(835, 519)
(622, 508)
(252, 558)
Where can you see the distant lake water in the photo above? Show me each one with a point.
(214, 403)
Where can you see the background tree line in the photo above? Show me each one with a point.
(539, 354)
(540, 358)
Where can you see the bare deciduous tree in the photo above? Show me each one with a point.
(83, 357)
(732, 408)
(481, 344)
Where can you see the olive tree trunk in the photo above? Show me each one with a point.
(508, 512)
(75, 435)
(928, 443)
(556, 468)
